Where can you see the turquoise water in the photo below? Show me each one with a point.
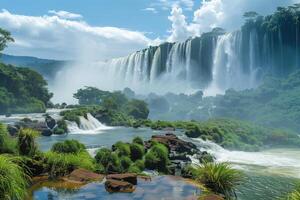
(268, 175)
(159, 188)
(99, 138)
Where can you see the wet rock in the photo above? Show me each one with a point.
(128, 177)
(175, 144)
(112, 185)
(12, 130)
(50, 122)
(83, 175)
(46, 132)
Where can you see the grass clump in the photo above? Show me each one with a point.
(294, 195)
(60, 164)
(7, 144)
(68, 146)
(26, 142)
(13, 180)
(219, 177)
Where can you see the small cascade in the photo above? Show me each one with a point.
(88, 125)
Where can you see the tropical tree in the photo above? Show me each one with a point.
(5, 37)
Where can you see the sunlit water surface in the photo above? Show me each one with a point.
(268, 174)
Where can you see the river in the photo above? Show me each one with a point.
(269, 174)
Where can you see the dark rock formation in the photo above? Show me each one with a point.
(112, 185)
(128, 177)
(12, 130)
(175, 144)
(50, 122)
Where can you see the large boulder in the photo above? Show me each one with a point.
(128, 177)
(50, 122)
(12, 130)
(35, 125)
(84, 176)
(112, 185)
(175, 144)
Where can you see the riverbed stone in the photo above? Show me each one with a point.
(83, 175)
(128, 177)
(112, 185)
(175, 144)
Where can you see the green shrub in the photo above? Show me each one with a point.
(121, 148)
(137, 151)
(138, 140)
(134, 169)
(68, 146)
(157, 158)
(219, 177)
(103, 156)
(13, 180)
(58, 131)
(60, 164)
(125, 163)
(26, 142)
(61, 124)
(114, 164)
(140, 164)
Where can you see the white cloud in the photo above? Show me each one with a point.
(65, 14)
(153, 10)
(168, 4)
(227, 14)
(56, 37)
(179, 25)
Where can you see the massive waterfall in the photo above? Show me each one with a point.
(213, 62)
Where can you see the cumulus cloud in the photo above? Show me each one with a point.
(227, 14)
(180, 27)
(65, 14)
(61, 38)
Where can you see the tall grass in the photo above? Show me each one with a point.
(219, 177)
(7, 144)
(294, 195)
(13, 184)
(26, 142)
(61, 164)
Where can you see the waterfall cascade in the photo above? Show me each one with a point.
(89, 125)
(214, 62)
(281, 161)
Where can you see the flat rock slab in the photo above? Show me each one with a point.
(112, 185)
(83, 175)
(128, 177)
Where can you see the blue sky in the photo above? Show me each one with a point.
(105, 29)
(130, 14)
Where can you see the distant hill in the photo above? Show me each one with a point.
(46, 67)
